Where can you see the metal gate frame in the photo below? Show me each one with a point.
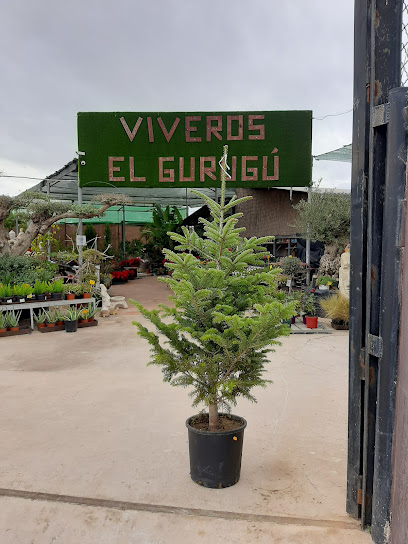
(378, 186)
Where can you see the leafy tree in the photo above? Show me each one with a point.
(326, 218)
(90, 233)
(164, 221)
(40, 212)
(225, 315)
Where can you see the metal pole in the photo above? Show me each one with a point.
(79, 231)
(309, 198)
(123, 234)
(48, 242)
(186, 202)
(16, 226)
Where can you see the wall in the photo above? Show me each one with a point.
(270, 212)
(131, 232)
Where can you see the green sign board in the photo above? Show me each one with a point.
(266, 149)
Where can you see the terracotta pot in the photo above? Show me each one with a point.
(87, 295)
(3, 330)
(50, 325)
(13, 329)
(70, 296)
(41, 325)
(83, 320)
(311, 322)
(60, 323)
(91, 319)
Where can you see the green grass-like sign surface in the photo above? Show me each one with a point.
(128, 149)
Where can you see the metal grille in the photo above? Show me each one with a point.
(404, 45)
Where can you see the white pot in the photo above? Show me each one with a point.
(323, 287)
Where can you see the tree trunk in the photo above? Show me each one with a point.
(214, 418)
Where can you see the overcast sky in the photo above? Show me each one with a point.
(60, 57)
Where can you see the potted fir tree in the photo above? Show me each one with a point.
(224, 321)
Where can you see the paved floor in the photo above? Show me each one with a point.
(94, 447)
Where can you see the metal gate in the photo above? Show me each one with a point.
(378, 188)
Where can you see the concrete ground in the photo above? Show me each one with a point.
(94, 447)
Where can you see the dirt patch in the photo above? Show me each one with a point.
(227, 422)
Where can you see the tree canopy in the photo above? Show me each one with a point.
(40, 212)
(325, 218)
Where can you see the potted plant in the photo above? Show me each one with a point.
(311, 317)
(3, 323)
(50, 319)
(92, 310)
(40, 319)
(59, 317)
(324, 282)
(56, 288)
(19, 291)
(83, 317)
(12, 320)
(337, 307)
(87, 288)
(39, 289)
(71, 319)
(224, 320)
(68, 290)
(6, 293)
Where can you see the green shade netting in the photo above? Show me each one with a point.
(134, 215)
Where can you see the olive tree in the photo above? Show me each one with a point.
(40, 212)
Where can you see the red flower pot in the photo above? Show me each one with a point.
(60, 323)
(41, 325)
(86, 295)
(311, 322)
(13, 329)
(50, 325)
(70, 296)
(3, 330)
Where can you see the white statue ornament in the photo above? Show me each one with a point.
(344, 274)
(110, 304)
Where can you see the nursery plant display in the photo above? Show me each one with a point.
(311, 317)
(337, 308)
(224, 321)
(12, 320)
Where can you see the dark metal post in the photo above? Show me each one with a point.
(123, 233)
(389, 309)
(358, 244)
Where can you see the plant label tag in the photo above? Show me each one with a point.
(289, 283)
(80, 240)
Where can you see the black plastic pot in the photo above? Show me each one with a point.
(71, 326)
(56, 296)
(215, 457)
(41, 297)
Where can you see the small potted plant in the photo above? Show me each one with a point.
(56, 288)
(87, 288)
(224, 320)
(92, 310)
(12, 320)
(83, 316)
(19, 291)
(40, 319)
(311, 317)
(39, 289)
(59, 316)
(50, 319)
(69, 291)
(71, 319)
(337, 308)
(3, 323)
(6, 293)
(324, 282)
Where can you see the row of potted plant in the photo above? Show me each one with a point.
(122, 276)
(9, 321)
(22, 292)
(130, 263)
(69, 317)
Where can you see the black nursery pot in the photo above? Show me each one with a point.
(215, 457)
(71, 326)
(41, 297)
